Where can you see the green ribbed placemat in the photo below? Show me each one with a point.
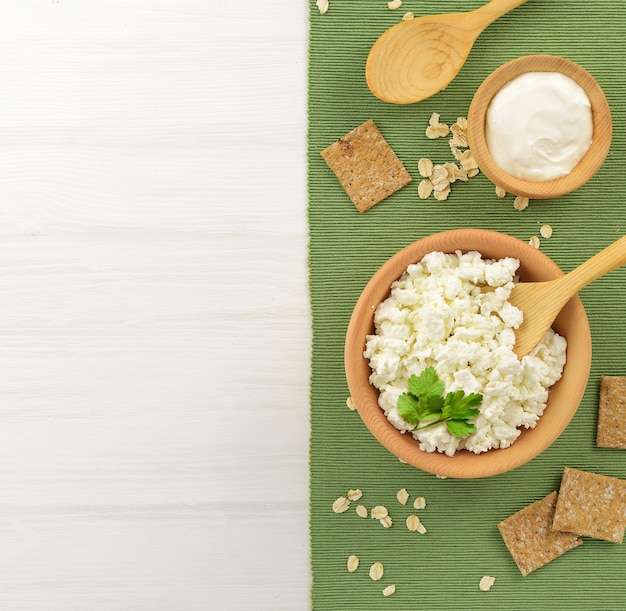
(441, 569)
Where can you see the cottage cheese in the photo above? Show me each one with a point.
(437, 315)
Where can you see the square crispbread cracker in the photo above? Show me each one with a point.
(611, 431)
(591, 505)
(530, 537)
(366, 166)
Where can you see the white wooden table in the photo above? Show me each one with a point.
(154, 319)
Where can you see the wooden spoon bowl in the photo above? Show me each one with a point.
(415, 59)
(586, 167)
(564, 397)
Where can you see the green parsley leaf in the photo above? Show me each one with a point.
(424, 402)
(409, 408)
(460, 428)
(427, 384)
(431, 407)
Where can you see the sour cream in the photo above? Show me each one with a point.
(539, 126)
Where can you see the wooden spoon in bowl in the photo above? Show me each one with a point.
(542, 301)
(415, 59)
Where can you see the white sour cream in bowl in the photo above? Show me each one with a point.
(539, 126)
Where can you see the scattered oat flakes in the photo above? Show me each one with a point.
(435, 128)
(389, 590)
(468, 161)
(394, 4)
(452, 170)
(407, 16)
(386, 522)
(419, 503)
(425, 167)
(439, 177)
(443, 194)
(379, 512)
(520, 202)
(437, 131)
(462, 175)
(322, 5)
(402, 496)
(413, 522)
(500, 192)
(376, 571)
(350, 404)
(341, 504)
(545, 231)
(534, 242)
(353, 563)
(361, 511)
(424, 189)
(455, 150)
(486, 582)
(459, 135)
(355, 495)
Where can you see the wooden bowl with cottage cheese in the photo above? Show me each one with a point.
(539, 126)
(563, 397)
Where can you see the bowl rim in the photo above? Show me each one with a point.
(586, 167)
(465, 464)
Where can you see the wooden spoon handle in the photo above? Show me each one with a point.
(480, 18)
(605, 261)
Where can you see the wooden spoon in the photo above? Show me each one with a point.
(415, 59)
(542, 301)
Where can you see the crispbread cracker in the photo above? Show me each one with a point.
(611, 432)
(366, 166)
(591, 505)
(530, 537)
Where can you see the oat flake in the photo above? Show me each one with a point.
(545, 231)
(376, 571)
(486, 582)
(500, 192)
(353, 563)
(386, 522)
(521, 202)
(402, 496)
(425, 167)
(424, 189)
(341, 504)
(413, 522)
(322, 5)
(355, 495)
(379, 512)
(443, 194)
(419, 503)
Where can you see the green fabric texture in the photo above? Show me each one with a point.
(441, 569)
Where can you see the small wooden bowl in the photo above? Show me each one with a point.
(586, 167)
(564, 397)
